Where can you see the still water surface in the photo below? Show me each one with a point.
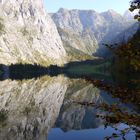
(47, 108)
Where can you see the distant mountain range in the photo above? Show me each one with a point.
(87, 30)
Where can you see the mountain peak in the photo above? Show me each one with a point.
(63, 10)
(112, 12)
(112, 15)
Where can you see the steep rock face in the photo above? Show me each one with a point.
(29, 108)
(90, 28)
(72, 30)
(115, 25)
(78, 47)
(28, 35)
(127, 34)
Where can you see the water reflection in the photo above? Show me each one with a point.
(47, 108)
(99, 133)
(31, 107)
(73, 116)
(81, 122)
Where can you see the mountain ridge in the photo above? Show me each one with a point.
(99, 27)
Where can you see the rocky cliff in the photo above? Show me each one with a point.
(71, 25)
(28, 35)
(87, 30)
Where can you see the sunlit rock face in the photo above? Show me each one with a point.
(76, 117)
(87, 30)
(30, 107)
(72, 29)
(28, 35)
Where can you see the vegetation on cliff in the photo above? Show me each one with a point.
(126, 57)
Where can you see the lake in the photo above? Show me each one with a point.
(64, 107)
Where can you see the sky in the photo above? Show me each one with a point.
(98, 5)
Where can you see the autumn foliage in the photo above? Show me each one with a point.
(129, 53)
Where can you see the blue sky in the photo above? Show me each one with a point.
(98, 5)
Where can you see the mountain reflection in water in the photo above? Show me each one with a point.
(45, 108)
(30, 107)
